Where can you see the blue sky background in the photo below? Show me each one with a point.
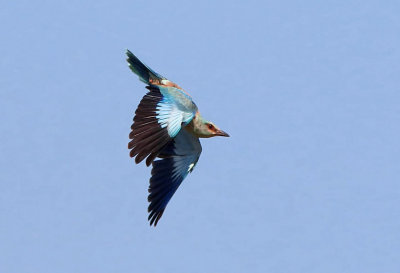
(308, 181)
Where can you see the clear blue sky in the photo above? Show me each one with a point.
(308, 182)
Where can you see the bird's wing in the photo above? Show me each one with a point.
(158, 119)
(177, 160)
(145, 73)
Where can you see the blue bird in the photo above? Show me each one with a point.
(167, 126)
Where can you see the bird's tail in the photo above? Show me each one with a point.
(145, 73)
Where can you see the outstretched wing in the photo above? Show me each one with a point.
(145, 73)
(159, 118)
(160, 115)
(177, 160)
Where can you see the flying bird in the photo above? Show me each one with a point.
(166, 131)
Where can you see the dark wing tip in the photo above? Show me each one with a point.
(155, 217)
(129, 53)
(144, 72)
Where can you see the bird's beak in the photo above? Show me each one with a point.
(222, 133)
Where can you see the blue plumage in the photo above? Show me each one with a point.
(171, 117)
(178, 159)
(167, 125)
(145, 73)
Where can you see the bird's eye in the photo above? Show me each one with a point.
(210, 126)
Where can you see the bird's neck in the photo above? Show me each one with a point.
(196, 127)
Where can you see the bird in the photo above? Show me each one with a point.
(166, 129)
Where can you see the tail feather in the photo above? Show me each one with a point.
(145, 73)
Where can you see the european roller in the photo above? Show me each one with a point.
(166, 131)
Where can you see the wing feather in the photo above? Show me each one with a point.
(158, 119)
(177, 160)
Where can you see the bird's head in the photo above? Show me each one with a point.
(206, 129)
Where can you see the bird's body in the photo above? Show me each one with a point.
(167, 125)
